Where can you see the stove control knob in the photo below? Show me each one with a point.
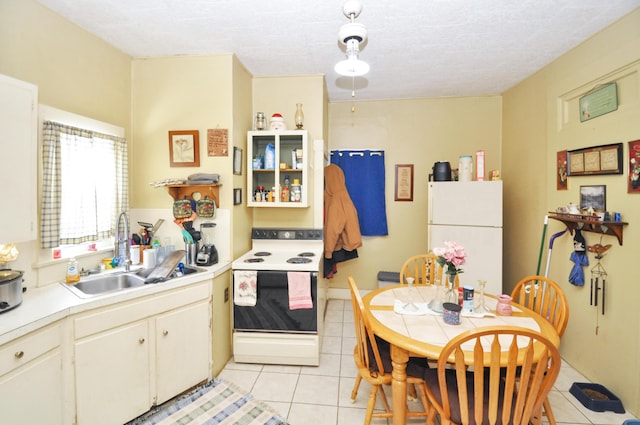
(287, 235)
(273, 235)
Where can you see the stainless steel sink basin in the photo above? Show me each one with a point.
(105, 284)
(100, 285)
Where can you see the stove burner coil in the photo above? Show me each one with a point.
(254, 260)
(306, 254)
(298, 260)
(262, 254)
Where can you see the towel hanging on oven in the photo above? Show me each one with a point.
(299, 284)
(245, 287)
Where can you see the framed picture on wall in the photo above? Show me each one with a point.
(561, 174)
(634, 167)
(594, 197)
(596, 160)
(404, 182)
(184, 150)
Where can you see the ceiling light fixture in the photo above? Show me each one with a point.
(351, 35)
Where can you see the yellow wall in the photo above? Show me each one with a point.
(280, 95)
(74, 71)
(241, 217)
(418, 132)
(540, 119)
(179, 93)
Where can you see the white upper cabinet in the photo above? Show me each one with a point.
(277, 164)
(18, 175)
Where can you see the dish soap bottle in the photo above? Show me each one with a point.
(73, 275)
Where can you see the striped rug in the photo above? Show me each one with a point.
(217, 402)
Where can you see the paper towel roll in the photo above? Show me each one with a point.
(149, 258)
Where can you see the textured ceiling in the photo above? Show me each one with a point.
(416, 49)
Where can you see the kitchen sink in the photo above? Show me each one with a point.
(119, 281)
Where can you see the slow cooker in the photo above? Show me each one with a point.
(10, 289)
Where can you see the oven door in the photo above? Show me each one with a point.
(271, 312)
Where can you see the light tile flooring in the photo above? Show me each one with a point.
(322, 395)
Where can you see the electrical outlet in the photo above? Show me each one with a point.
(226, 294)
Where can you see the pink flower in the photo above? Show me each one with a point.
(452, 255)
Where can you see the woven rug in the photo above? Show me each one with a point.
(216, 402)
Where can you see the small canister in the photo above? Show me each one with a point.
(503, 308)
(465, 168)
(467, 298)
(261, 121)
(451, 313)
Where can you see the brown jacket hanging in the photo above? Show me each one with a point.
(341, 227)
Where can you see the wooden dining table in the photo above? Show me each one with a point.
(424, 334)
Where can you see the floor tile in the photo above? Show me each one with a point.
(245, 379)
(317, 390)
(315, 414)
(275, 386)
(329, 366)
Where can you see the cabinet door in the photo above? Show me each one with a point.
(18, 141)
(183, 349)
(33, 393)
(112, 375)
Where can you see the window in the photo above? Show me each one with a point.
(85, 184)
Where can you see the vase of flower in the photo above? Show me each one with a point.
(450, 258)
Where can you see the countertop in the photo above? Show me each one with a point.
(44, 305)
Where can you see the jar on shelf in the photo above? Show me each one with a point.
(296, 191)
(260, 122)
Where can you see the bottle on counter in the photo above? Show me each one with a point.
(73, 275)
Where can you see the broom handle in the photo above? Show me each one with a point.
(544, 234)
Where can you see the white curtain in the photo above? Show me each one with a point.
(85, 184)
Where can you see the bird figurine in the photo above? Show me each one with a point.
(598, 249)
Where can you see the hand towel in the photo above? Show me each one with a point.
(299, 290)
(245, 287)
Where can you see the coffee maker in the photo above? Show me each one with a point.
(208, 254)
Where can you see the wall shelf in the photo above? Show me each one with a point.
(179, 191)
(586, 223)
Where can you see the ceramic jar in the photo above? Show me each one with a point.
(503, 308)
(465, 169)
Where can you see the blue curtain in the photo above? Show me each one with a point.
(364, 178)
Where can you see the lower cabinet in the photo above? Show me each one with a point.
(112, 375)
(134, 356)
(31, 379)
(182, 350)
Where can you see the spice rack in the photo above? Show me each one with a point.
(179, 191)
(590, 224)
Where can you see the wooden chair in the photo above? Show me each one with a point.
(425, 270)
(483, 387)
(545, 297)
(373, 360)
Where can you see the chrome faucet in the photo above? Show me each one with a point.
(127, 254)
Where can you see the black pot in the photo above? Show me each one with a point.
(442, 171)
(10, 289)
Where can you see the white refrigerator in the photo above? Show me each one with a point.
(469, 213)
